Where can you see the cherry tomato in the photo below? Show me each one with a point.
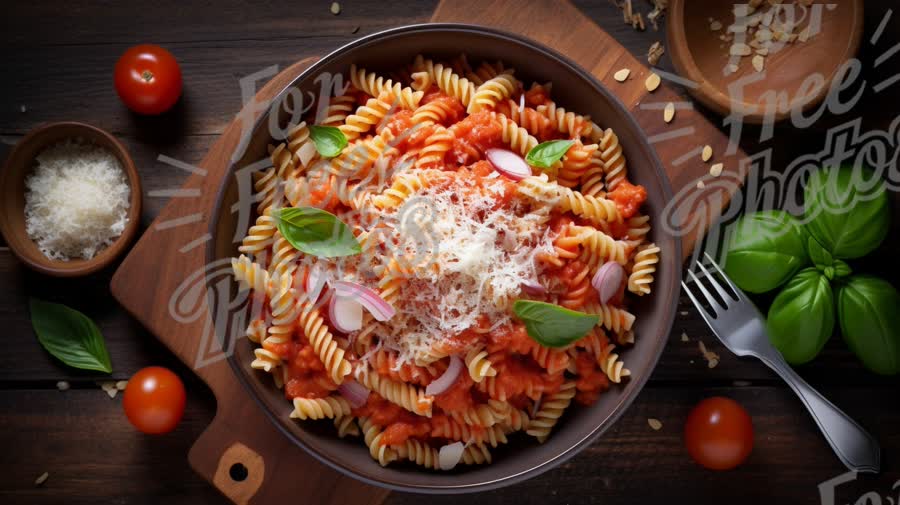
(154, 400)
(719, 433)
(148, 79)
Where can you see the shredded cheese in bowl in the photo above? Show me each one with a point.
(76, 200)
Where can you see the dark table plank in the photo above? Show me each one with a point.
(93, 456)
(58, 60)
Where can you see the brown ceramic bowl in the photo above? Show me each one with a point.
(575, 89)
(12, 208)
(698, 56)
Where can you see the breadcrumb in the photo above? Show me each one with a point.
(42, 478)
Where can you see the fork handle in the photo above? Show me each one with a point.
(855, 447)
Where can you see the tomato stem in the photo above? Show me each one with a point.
(147, 75)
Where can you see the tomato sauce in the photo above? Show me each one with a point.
(457, 397)
(451, 105)
(307, 377)
(474, 135)
(399, 425)
(536, 96)
(628, 198)
(591, 380)
(512, 338)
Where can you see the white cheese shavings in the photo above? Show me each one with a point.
(76, 200)
(473, 255)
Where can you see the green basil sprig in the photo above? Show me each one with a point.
(825, 262)
(869, 312)
(841, 269)
(765, 250)
(801, 318)
(316, 232)
(545, 154)
(551, 325)
(70, 336)
(847, 224)
(329, 140)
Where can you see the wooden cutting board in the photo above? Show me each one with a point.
(241, 452)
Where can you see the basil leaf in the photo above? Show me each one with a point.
(316, 232)
(841, 269)
(765, 250)
(869, 311)
(847, 221)
(801, 318)
(545, 154)
(329, 140)
(821, 258)
(70, 336)
(551, 325)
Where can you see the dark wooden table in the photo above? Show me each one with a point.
(57, 65)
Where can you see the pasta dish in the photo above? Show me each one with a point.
(444, 257)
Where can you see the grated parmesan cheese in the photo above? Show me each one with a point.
(472, 257)
(76, 200)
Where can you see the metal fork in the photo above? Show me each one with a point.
(741, 327)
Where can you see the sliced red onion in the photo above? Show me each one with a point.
(306, 153)
(533, 287)
(355, 393)
(345, 314)
(450, 455)
(521, 102)
(607, 280)
(447, 379)
(315, 281)
(368, 298)
(508, 163)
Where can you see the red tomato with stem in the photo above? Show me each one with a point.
(148, 79)
(719, 433)
(154, 400)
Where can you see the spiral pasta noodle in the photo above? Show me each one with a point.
(598, 210)
(612, 158)
(405, 395)
(576, 163)
(374, 85)
(478, 364)
(330, 407)
(346, 426)
(598, 247)
(436, 147)
(250, 275)
(565, 122)
(259, 236)
(492, 92)
(611, 318)
(551, 410)
(338, 110)
(365, 118)
(266, 186)
(641, 277)
(372, 436)
(517, 138)
(611, 365)
(446, 80)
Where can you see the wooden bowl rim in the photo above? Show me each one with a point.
(10, 225)
(716, 99)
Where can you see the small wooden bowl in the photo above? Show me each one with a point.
(696, 53)
(12, 193)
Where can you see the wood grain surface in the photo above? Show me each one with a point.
(59, 58)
